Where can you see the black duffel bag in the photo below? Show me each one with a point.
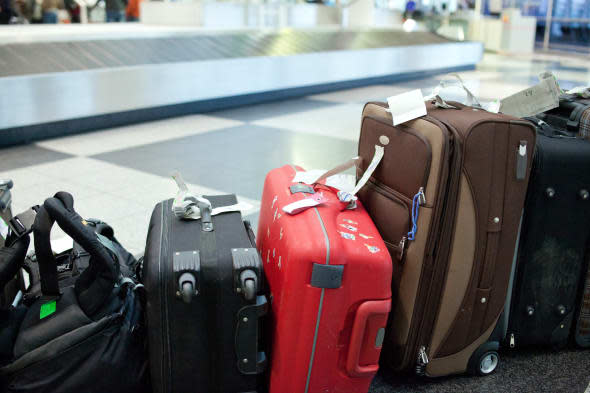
(88, 337)
(71, 263)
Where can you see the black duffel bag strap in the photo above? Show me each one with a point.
(46, 261)
(96, 283)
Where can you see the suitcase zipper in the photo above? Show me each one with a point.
(401, 200)
(433, 274)
(422, 361)
(427, 290)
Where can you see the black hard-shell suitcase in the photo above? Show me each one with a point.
(204, 302)
(553, 241)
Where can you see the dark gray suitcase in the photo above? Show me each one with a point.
(204, 286)
(553, 242)
(582, 328)
(5, 210)
(10, 288)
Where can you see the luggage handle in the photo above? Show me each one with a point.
(94, 284)
(359, 332)
(250, 360)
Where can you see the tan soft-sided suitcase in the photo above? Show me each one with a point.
(462, 174)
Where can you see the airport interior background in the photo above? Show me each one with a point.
(224, 91)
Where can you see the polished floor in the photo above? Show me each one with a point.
(119, 174)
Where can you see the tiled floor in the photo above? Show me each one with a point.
(119, 174)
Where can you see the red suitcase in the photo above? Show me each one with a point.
(329, 274)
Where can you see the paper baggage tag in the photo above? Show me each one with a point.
(537, 99)
(185, 204)
(406, 106)
(581, 91)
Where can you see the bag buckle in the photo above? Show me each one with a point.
(22, 224)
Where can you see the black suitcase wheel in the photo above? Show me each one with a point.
(487, 363)
(485, 359)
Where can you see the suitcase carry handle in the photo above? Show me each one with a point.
(369, 338)
(96, 283)
(251, 361)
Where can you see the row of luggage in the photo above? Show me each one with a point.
(436, 257)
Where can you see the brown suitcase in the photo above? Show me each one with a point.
(451, 282)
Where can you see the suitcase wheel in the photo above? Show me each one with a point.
(484, 361)
(487, 363)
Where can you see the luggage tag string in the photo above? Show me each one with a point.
(349, 198)
(448, 81)
(188, 206)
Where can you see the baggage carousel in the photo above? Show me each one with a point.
(66, 83)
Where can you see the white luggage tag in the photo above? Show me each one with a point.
(580, 91)
(188, 206)
(304, 204)
(406, 106)
(540, 98)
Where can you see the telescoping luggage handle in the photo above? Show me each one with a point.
(96, 282)
(190, 206)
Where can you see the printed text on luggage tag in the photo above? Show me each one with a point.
(536, 99)
(406, 106)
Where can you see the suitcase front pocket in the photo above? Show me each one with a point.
(393, 226)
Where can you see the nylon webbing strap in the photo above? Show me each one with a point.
(22, 224)
(46, 260)
(338, 169)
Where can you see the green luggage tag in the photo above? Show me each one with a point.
(47, 309)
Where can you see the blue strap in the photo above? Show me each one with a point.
(415, 213)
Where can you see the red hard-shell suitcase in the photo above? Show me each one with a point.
(329, 275)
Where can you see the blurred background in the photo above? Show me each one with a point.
(550, 24)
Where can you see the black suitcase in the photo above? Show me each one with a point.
(572, 115)
(204, 284)
(582, 328)
(553, 241)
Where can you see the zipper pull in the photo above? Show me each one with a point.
(421, 196)
(521, 161)
(422, 361)
(512, 340)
